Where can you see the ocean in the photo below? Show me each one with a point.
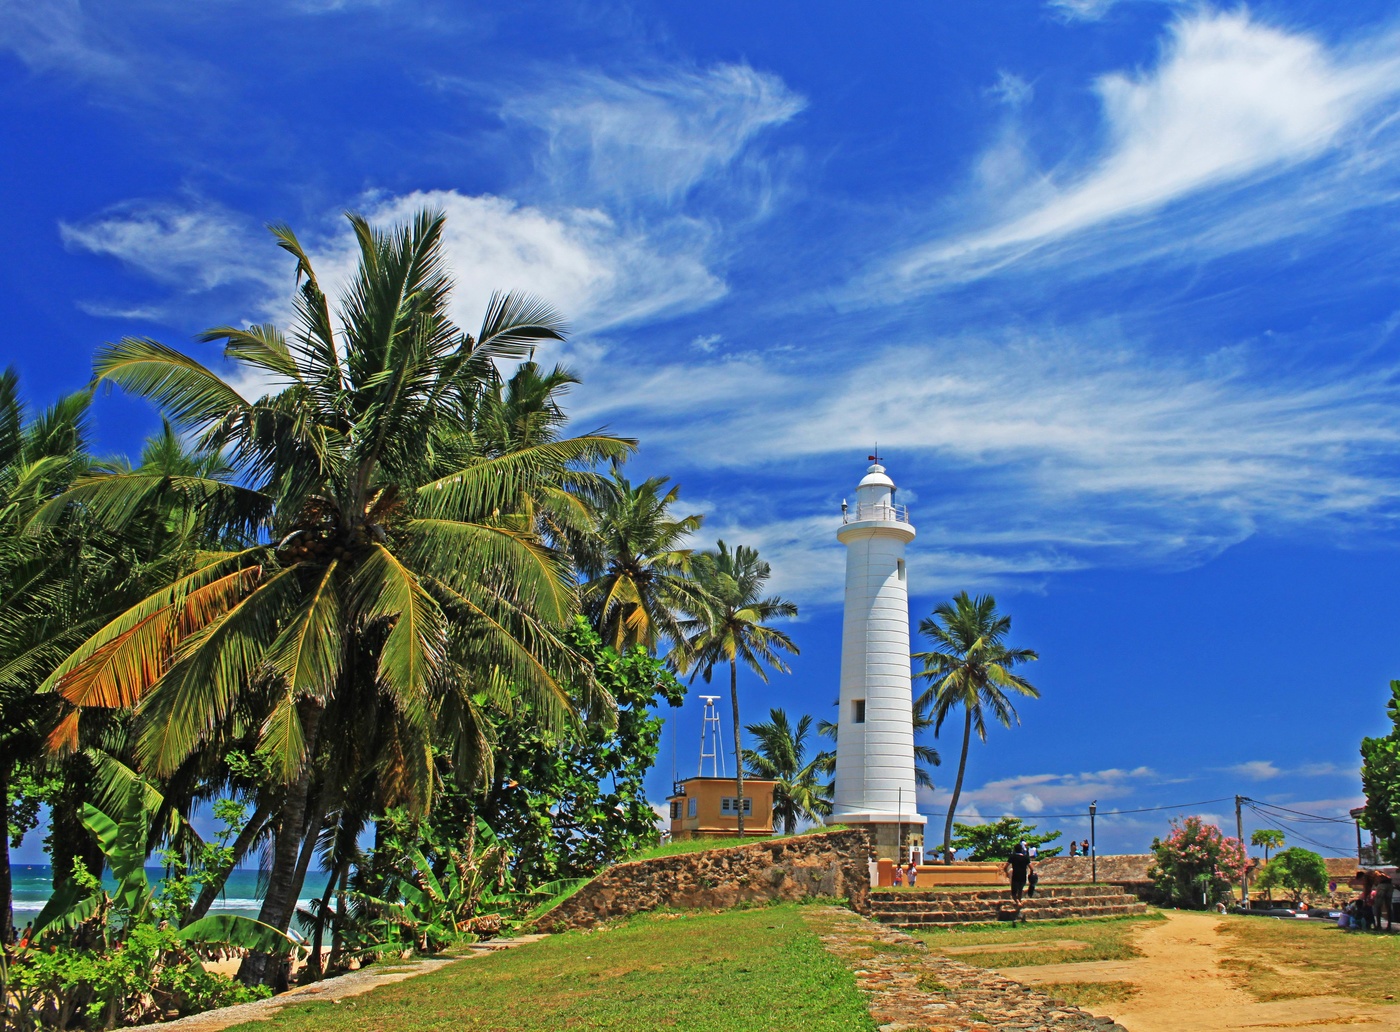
(33, 884)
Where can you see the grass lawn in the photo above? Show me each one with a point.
(740, 970)
(1279, 960)
(1089, 994)
(1039, 942)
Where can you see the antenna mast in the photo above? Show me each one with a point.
(709, 739)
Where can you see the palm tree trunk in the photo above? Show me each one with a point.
(215, 885)
(321, 914)
(282, 884)
(957, 791)
(738, 746)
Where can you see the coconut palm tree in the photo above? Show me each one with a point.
(726, 623)
(382, 572)
(781, 757)
(970, 667)
(638, 564)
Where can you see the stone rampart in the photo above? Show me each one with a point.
(825, 864)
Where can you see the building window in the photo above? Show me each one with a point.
(900, 563)
(727, 805)
(858, 711)
(690, 810)
(675, 809)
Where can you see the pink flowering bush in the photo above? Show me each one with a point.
(1196, 865)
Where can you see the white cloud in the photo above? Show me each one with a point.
(1256, 770)
(191, 245)
(1229, 100)
(597, 272)
(1059, 792)
(1011, 89)
(652, 137)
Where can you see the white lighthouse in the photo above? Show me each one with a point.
(875, 736)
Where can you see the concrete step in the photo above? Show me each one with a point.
(882, 903)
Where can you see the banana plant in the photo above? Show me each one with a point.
(123, 840)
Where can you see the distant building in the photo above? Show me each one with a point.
(708, 808)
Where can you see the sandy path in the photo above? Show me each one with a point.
(1180, 986)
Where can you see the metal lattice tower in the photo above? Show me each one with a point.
(709, 739)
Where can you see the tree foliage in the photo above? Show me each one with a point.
(997, 841)
(571, 803)
(799, 791)
(1196, 865)
(1380, 779)
(1297, 870)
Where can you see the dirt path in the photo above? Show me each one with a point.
(1181, 986)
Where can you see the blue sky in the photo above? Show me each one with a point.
(1112, 284)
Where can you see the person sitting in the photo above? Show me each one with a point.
(1073, 848)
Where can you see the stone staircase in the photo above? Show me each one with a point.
(935, 908)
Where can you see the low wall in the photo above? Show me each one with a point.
(829, 864)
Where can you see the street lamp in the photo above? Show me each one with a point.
(1093, 842)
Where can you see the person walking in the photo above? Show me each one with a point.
(1017, 866)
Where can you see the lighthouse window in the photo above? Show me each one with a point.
(858, 711)
(900, 564)
(676, 810)
(690, 809)
(728, 804)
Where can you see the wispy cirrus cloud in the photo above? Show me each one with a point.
(1231, 101)
(650, 139)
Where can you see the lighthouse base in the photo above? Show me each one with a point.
(897, 840)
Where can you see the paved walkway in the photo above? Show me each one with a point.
(909, 988)
(1180, 985)
(341, 987)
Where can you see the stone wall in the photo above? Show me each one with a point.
(1128, 870)
(829, 864)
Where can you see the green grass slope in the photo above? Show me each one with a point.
(749, 970)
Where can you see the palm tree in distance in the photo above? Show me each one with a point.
(781, 757)
(726, 622)
(1269, 838)
(382, 570)
(970, 666)
(638, 564)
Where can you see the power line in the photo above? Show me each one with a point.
(1113, 813)
(1312, 817)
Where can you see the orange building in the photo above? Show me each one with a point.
(707, 808)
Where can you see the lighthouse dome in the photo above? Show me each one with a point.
(875, 476)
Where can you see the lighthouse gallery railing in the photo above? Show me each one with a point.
(888, 513)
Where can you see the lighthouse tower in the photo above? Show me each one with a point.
(875, 736)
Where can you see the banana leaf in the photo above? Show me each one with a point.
(68, 907)
(235, 930)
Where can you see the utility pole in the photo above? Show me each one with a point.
(1093, 842)
(1239, 833)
